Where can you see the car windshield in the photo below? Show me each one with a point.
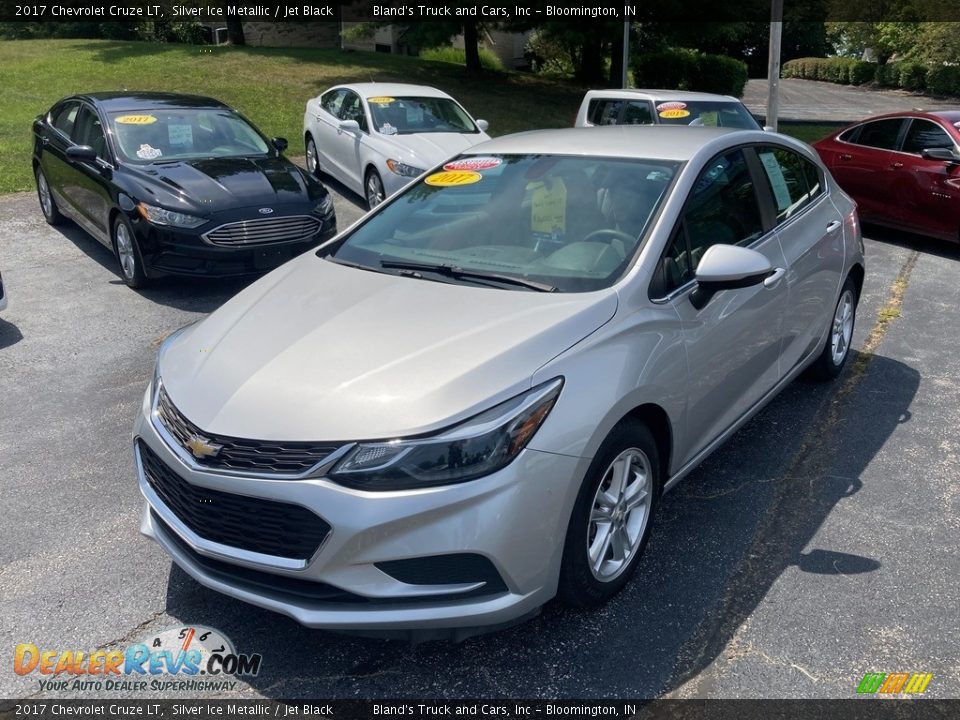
(409, 115)
(184, 133)
(571, 224)
(713, 113)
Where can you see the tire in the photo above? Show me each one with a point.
(48, 205)
(127, 251)
(313, 158)
(373, 188)
(836, 348)
(591, 573)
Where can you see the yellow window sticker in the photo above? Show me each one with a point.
(548, 209)
(136, 119)
(674, 114)
(453, 178)
(381, 100)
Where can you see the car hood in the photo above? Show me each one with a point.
(217, 184)
(424, 150)
(319, 351)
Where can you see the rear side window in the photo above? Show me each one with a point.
(604, 111)
(923, 135)
(794, 180)
(64, 116)
(881, 134)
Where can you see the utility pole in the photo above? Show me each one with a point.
(626, 53)
(773, 66)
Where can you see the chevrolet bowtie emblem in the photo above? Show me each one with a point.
(202, 448)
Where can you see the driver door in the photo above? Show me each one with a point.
(345, 152)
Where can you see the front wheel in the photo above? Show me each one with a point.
(373, 187)
(611, 519)
(128, 254)
(836, 348)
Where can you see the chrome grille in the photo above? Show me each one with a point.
(259, 456)
(267, 230)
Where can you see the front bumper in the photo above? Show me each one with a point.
(516, 519)
(176, 251)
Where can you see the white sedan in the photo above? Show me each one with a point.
(377, 137)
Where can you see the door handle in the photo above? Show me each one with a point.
(845, 156)
(896, 165)
(774, 278)
(834, 226)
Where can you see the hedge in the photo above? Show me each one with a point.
(914, 76)
(690, 70)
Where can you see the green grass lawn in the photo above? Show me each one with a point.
(807, 132)
(269, 85)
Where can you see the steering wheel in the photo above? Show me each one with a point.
(610, 234)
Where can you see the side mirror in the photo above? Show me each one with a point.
(728, 267)
(280, 143)
(483, 125)
(83, 153)
(944, 154)
(350, 126)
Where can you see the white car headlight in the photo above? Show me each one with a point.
(479, 446)
(399, 168)
(161, 216)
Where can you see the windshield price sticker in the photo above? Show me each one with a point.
(136, 119)
(453, 178)
(674, 113)
(671, 106)
(476, 163)
(381, 100)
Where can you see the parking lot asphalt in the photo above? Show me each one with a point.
(816, 546)
(817, 101)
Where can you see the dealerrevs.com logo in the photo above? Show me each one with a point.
(183, 658)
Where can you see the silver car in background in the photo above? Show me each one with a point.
(472, 401)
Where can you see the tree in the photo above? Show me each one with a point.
(235, 32)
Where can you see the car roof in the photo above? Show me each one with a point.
(122, 101)
(375, 89)
(648, 142)
(665, 95)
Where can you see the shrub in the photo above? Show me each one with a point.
(944, 80)
(861, 72)
(887, 75)
(689, 70)
(913, 76)
(458, 56)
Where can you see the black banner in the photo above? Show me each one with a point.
(492, 11)
(854, 709)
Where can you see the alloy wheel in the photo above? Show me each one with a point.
(128, 259)
(619, 514)
(842, 328)
(375, 194)
(46, 202)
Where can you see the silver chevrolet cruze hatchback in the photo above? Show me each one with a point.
(471, 401)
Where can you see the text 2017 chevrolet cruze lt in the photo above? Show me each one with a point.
(472, 401)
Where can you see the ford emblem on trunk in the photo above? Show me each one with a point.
(266, 211)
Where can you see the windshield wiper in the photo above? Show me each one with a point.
(349, 263)
(458, 272)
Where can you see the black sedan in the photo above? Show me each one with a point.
(176, 184)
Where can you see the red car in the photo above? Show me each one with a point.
(903, 170)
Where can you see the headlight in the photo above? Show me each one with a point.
(163, 348)
(399, 168)
(479, 446)
(159, 216)
(324, 206)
